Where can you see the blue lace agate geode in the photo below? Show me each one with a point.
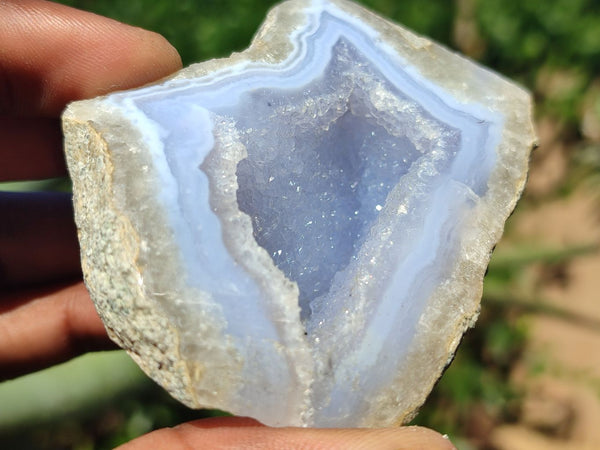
(299, 233)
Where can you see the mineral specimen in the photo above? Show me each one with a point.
(299, 232)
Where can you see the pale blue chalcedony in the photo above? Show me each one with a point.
(376, 190)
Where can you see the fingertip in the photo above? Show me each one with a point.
(44, 325)
(243, 433)
(170, 60)
(83, 321)
(52, 54)
(125, 57)
(422, 438)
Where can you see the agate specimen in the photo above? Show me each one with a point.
(299, 233)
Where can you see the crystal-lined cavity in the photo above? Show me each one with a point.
(313, 185)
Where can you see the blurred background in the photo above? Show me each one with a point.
(528, 375)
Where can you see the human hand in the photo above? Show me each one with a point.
(51, 55)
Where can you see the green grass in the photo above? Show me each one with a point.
(99, 400)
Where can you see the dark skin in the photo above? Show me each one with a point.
(51, 55)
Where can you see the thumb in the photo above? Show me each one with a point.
(244, 433)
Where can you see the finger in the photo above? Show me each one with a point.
(30, 149)
(245, 435)
(52, 54)
(38, 239)
(44, 326)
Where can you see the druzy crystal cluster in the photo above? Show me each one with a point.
(299, 232)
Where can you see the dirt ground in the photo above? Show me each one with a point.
(559, 370)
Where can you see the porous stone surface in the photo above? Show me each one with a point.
(299, 232)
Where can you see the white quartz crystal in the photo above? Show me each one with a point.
(299, 233)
